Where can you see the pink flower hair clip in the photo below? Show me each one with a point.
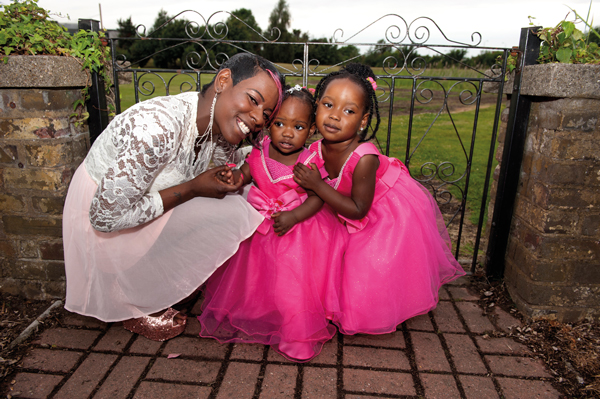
(373, 84)
(310, 90)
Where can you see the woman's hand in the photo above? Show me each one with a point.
(307, 178)
(216, 183)
(283, 222)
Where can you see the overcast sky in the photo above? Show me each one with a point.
(498, 22)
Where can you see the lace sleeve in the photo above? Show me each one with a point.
(144, 145)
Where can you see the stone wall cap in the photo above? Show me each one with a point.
(30, 71)
(559, 80)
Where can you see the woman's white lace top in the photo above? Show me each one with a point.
(147, 148)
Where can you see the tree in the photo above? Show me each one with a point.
(126, 30)
(240, 26)
(166, 54)
(280, 19)
(484, 60)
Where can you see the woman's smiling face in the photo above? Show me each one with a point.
(245, 107)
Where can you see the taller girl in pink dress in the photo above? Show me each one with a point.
(399, 252)
(279, 288)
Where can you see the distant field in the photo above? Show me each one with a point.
(153, 85)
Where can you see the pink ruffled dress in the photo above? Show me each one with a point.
(278, 291)
(398, 256)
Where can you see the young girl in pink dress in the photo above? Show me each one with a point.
(278, 289)
(399, 252)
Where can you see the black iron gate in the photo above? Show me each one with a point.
(432, 119)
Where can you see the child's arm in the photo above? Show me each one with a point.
(363, 187)
(284, 221)
(233, 175)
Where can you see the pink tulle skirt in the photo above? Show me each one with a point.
(138, 271)
(279, 291)
(394, 267)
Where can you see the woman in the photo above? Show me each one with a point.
(146, 221)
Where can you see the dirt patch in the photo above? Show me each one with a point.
(16, 314)
(570, 351)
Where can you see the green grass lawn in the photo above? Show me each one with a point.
(439, 143)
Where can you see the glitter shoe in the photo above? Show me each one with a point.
(160, 328)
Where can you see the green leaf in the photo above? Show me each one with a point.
(564, 55)
(577, 35)
(569, 27)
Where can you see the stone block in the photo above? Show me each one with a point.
(19, 287)
(566, 173)
(28, 270)
(28, 249)
(55, 271)
(34, 179)
(53, 289)
(590, 225)
(574, 148)
(586, 273)
(545, 114)
(48, 205)
(22, 128)
(11, 204)
(62, 99)
(540, 194)
(548, 271)
(41, 71)
(553, 296)
(52, 250)
(561, 80)
(581, 115)
(23, 225)
(569, 248)
(49, 155)
(7, 249)
(33, 99)
(572, 197)
(9, 154)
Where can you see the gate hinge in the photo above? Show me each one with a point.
(516, 52)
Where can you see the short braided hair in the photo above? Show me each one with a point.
(357, 73)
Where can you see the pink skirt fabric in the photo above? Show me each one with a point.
(134, 272)
(279, 291)
(395, 266)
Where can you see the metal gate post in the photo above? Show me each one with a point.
(512, 156)
(96, 105)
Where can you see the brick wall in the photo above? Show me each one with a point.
(553, 256)
(40, 150)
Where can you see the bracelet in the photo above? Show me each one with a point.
(241, 174)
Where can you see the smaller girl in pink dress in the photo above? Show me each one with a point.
(399, 252)
(278, 289)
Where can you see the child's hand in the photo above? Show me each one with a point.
(225, 175)
(307, 178)
(229, 176)
(283, 222)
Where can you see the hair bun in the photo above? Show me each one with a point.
(361, 70)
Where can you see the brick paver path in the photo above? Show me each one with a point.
(452, 352)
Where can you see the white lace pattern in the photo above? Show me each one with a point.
(147, 148)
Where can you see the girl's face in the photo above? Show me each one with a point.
(340, 111)
(291, 127)
(245, 107)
